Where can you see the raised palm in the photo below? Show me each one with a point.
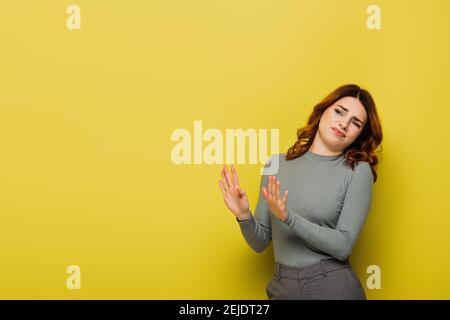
(233, 195)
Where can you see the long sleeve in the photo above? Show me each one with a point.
(257, 229)
(339, 242)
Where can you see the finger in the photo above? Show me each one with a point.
(221, 187)
(241, 192)
(271, 186)
(285, 196)
(277, 189)
(264, 191)
(228, 177)
(235, 177)
(224, 180)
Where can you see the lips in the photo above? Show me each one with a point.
(338, 132)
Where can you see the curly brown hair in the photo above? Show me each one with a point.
(364, 148)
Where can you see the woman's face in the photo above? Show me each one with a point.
(342, 123)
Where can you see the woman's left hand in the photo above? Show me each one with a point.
(274, 200)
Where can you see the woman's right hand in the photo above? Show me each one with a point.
(233, 195)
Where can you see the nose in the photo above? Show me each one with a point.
(345, 123)
(342, 127)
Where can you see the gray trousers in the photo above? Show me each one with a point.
(325, 280)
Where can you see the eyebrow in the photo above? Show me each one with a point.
(347, 111)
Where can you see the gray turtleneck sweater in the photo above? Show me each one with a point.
(327, 206)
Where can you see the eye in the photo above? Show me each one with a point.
(356, 124)
(337, 111)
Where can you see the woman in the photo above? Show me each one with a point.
(329, 173)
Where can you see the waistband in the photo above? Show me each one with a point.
(322, 267)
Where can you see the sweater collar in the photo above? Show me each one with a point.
(315, 156)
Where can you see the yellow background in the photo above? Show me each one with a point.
(86, 117)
